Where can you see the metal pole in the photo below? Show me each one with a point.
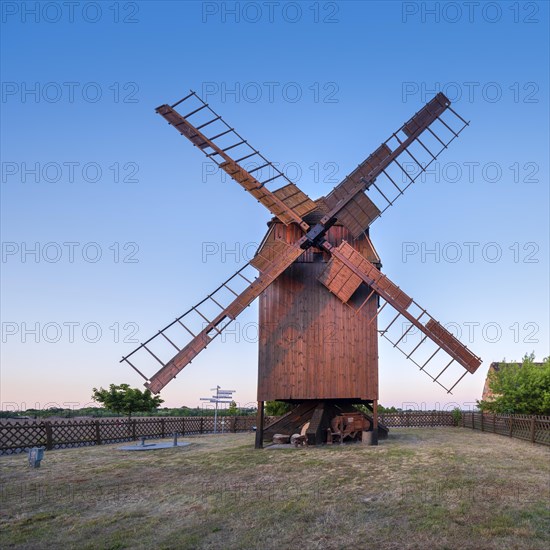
(221, 396)
(216, 411)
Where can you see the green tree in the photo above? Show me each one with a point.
(457, 416)
(381, 409)
(520, 388)
(124, 399)
(276, 408)
(232, 409)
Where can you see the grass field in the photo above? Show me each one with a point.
(440, 488)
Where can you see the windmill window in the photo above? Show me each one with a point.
(317, 256)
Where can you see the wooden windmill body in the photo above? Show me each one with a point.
(312, 345)
(319, 282)
(315, 351)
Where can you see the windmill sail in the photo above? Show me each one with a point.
(348, 269)
(287, 202)
(394, 166)
(197, 323)
(384, 175)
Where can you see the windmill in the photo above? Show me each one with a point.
(323, 297)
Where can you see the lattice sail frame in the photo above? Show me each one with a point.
(404, 156)
(213, 314)
(287, 203)
(347, 203)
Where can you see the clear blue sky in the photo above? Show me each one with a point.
(79, 90)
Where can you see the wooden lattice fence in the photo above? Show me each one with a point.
(16, 437)
(528, 427)
(417, 419)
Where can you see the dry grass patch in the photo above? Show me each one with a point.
(430, 488)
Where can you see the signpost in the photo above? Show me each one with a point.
(222, 396)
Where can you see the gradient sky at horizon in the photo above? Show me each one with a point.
(79, 90)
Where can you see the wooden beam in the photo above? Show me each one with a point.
(259, 444)
(375, 422)
(318, 424)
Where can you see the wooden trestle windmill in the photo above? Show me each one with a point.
(318, 347)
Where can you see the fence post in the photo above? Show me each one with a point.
(482, 427)
(49, 435)
(511, 425)
(97, 433)
(532, 429)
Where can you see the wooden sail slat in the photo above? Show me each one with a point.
(364, 170)
(340, 280)
(423, 118)
(295, 199)
(460, 352)
(358, 214)
(267, 254)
